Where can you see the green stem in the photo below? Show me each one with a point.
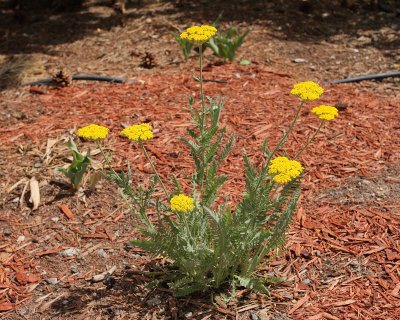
(107, 161)
(280, 144)
(203, 118)
(283, 140)
(203, 103)
(309, 140)
(154, 169)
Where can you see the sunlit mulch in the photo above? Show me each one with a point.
(343, 255)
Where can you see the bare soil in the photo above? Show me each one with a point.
(342, 256)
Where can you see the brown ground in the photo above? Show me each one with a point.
(343, 252)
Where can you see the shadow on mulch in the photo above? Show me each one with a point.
(36, 27)
(115, 294)
(118, 295)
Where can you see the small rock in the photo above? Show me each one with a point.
(189, 315)
(22, 312)
(264, 314)
(70, 252)
(74, 270)
(306, 281)
(51, 280)
(15, 200)
(364, 39)
(254, 316)
(55, 219)
(299, 60)
(153, 302)
(7, 232)
(98, 277)
(21, 239)
(102, 254)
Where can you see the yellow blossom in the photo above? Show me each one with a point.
(284, 169)
(199, 33)
(138, 132)
(93, 132)
(182, 203)
(307, 91)
(325, 112)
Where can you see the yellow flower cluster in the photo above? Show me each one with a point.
(138, 132)
(325, 112)
(307, 91)
(93, 132)
(285, 170)
(182, 203)
(199, 33)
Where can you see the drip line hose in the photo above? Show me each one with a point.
(50, 81)
(369, 77)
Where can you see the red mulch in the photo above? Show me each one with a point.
(344, 256)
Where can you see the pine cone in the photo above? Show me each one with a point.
(62, 78)
(148, 61)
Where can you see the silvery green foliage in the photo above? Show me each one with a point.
(215, 244)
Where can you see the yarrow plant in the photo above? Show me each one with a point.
(284, 170)
(307, 91)
(138, 132)
(199, 34)
(327, 113)
(182, 203)
(210, 245)
(93, 132)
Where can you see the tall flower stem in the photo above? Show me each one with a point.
(107, 160)
(310, 139)
(283, 140)
(203, 115)
(203, 103)
(280, 143)
(154, 168)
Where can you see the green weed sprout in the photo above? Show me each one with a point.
(226, 44)
(208, 244)
(80, 163)
(77, 169)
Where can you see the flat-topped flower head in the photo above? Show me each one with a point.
(284, 169)
(93, 132)
(182, 203)
(307, 91)
(138, 132)
(327, 113)
(199, 33)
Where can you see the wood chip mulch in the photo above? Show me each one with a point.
(343, 257)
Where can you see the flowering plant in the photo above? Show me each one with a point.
(209, 244)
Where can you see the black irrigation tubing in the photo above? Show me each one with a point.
(369, 77)
(50, 81)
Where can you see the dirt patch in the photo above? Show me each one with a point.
(366, 190)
